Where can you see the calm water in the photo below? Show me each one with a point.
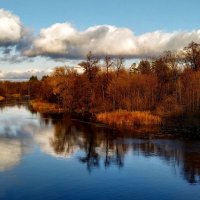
(43, 157)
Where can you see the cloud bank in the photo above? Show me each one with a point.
(64, 41)
(23, 75)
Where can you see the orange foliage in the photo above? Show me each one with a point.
(2, 98)
(128, 118)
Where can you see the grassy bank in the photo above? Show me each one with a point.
(45, 107)
(127, 118)
(119, 118)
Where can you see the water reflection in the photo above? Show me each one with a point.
(98, 144)
(182, 154)
(91, 145)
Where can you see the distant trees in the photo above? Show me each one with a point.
(33, 78)
(168, 84)
(144, 67)
(33, 86)
(8, 88)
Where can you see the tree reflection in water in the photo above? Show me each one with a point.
(97, 143)
(100, 144)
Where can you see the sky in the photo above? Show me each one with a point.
(37, 35)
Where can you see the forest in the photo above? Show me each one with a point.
(166, 86)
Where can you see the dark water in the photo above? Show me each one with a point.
(44, 157)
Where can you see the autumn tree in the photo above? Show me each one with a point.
(91, 68)
(192, 55)
(62, 81)
(144, 67)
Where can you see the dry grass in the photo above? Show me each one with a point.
(2, 98)
(16, 95)
(126, 118)
(45, 107)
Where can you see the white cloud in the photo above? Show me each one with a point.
(11, 28)
(64, 41)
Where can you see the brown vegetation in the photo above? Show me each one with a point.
(168, 85)
(2, 98)
(45, 107)
(127, 118)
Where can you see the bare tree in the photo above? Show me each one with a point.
(108, 64)
(90, 66)
(119, 64)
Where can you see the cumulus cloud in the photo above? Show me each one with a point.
(62, 40)
(15, 38)
(11, 28)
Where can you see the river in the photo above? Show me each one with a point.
(53, 157)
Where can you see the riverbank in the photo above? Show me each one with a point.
(127, 120)
(118, 118)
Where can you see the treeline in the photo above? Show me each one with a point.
(167, 85)
(10, 89)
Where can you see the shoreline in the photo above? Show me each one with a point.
(181, 130)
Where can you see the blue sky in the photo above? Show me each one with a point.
(138, 16)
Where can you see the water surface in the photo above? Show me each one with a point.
(53, 157)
